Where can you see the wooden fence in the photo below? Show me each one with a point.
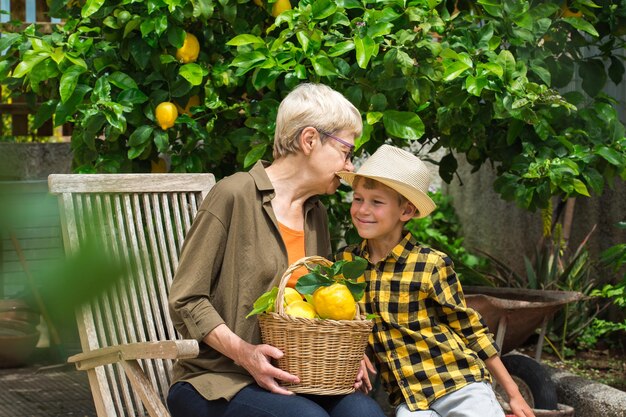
(18, 111)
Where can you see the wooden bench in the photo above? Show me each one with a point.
(128, 340)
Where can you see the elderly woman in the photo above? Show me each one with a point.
(250, 227)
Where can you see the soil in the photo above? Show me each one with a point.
(604, 366)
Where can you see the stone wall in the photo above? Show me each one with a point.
(34, 161)
(510, 233)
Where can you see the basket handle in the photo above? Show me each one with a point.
(278, 303)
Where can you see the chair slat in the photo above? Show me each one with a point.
(139, 220)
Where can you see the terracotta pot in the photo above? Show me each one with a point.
(18, 340)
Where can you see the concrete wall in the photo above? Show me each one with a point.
(34, 161)
(510, 233)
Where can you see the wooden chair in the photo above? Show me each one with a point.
(127, 338)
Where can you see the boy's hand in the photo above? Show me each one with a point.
(520, 407)
(363, 382)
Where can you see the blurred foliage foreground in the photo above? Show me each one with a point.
(480, 78)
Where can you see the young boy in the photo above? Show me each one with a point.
(431, 349)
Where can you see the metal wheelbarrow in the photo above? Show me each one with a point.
(513, 315)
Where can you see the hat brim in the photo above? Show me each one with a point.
(422, 202)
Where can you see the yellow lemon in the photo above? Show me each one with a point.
(193, 101)
(280, 6)
(291, 295)
(567, 12)
(301, 309)
(334, 302)
(190, 49)
(166, 114)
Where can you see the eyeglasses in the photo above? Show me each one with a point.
(343, 142)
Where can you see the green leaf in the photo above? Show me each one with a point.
(373, 117)
(122, 80)
(580, 187)
(475, 85)
(192, 73)
(69, 80)
(140, 136)
(507, 62)
(254, 155)
(65, 110)
(90, 7)
(454, 70)
(44, 112)
(248, 60)
(134, 153)
(321, 9)
(7, 40)
(176, 36)
(161, 140)
(354, 269)
(265, 303)
(611, 156)
(30, 60)
(341, 48)
(581, 24)
(245, 39)
(132, 96)
(357, 289)
(307, 284)
(405, 125)
(323, 66)
(365, 49)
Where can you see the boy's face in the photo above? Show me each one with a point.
(377, 213)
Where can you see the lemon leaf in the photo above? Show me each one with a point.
(371, 316)
(307, 284)
(264, 303)
(354, 268)
(357, 289)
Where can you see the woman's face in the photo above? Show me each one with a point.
(332, 156)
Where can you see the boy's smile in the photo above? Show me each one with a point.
(377, 212)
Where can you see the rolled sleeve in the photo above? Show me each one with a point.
(200, 318)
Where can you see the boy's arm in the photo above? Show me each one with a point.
(518, 405)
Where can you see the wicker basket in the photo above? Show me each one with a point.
(324, 354)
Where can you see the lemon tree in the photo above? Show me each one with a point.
(481, 79)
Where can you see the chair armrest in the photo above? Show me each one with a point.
(169, 349)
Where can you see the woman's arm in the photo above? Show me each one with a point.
(518, 404)
(256, 359)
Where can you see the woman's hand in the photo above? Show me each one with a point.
(256, 359)
(363, 382)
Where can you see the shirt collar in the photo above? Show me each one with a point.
(265, 186)
(399, 253)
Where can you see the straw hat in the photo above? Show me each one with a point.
(401, 171)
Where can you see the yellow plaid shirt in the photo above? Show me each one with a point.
(426, 342)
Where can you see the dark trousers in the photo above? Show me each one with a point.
(253, 401)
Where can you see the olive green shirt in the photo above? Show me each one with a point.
(232, 254)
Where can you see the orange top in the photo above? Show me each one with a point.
(294, 241)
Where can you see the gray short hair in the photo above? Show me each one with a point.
(315, 105)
